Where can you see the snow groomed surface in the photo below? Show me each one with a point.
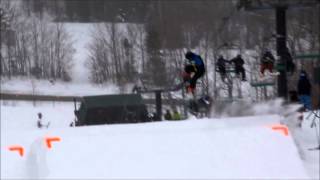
(229, 148)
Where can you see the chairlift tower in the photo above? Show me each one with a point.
(280, 7)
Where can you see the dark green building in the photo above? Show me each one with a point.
(111, 109)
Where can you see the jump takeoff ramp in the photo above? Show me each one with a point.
(256, 147)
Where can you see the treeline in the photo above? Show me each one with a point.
(33, 46)
(155, 49)
(151, 39)
(90, 10)
(208, 27)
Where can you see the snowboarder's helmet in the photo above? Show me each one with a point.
(189, 55)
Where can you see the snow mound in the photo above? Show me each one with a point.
(235, 148)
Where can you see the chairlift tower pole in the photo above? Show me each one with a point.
(281, 31)
(280, 7)
(281, 36)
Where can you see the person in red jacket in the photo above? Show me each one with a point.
(267, 62)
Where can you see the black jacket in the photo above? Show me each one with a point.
(304, 86)
(221, 62)
(238, 61)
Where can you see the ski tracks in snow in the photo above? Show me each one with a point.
(36, 162)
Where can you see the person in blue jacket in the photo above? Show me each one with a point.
(194, 70)
(304, 90)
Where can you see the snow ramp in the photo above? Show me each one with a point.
(230, 148)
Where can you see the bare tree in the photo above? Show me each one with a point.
(112, 55)
(136, 37)
(100, 67)
(36, 46)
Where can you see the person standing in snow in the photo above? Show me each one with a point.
(194, 70)
(176, 115)
(304, 90)
(168, 115)
(41, 123)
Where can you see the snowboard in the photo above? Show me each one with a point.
(201, 105)
(195, 105)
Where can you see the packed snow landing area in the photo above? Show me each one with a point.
(245, 147)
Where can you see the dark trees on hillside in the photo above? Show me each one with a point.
(151, 36)
(33, 46)
(156, 70)
(89, 10)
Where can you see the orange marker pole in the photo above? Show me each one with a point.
(49, 141)
(282, 128)
(20, 149)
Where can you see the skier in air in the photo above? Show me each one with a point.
(193, 70)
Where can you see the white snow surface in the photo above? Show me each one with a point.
(228, 148)
(81, 37)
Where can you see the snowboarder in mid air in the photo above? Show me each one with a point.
(193, 70)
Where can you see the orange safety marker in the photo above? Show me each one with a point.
(49, 140)
(282, 128)
(20, 149)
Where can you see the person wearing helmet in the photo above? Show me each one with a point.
(194, 70)
(267, 62)
(238, 64)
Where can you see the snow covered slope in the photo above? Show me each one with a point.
(235, 148)
(81, 37)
